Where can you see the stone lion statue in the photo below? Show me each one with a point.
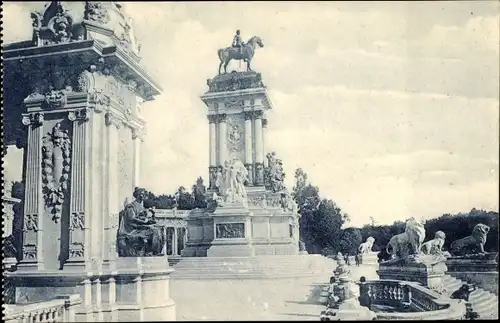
(407, 243)
(366, 247)
(472, 244)
(434, 246)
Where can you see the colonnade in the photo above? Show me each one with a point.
(255, 129)
(176, 238)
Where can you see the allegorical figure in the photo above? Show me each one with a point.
(138, 234)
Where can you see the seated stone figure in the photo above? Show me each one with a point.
(138, 235)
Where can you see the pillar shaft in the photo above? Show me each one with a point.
(112, 126)
(137, 161)
(32, 253)
(212, 141)
(222, 139)
(248, 138)
(264, 142)
(79, 224)
(259, 149)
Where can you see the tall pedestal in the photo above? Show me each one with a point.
(81, 117)
(428, 270)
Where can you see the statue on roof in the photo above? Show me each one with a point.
(239, 51)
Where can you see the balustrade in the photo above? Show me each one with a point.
(424, 304)
(57, 310)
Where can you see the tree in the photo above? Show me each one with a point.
(320, 219)
(185, 201)
(350, 241)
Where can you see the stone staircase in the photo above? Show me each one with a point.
(259, 267)
(482, 301)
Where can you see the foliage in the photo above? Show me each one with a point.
(455, 226)
(320, 219)
(181, 199)
(350, 241)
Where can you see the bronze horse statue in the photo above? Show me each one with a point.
(245, 53)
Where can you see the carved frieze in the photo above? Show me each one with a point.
(258, 201)
(56, 164)
(30, 251)
(230, 230)
(33, 119)
(235, 135)
(235, 81)
(30, 222)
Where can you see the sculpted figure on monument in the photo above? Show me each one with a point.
(473, 244)
(239, 51)
(407, 243)
(434, 246)
(274, 174)
(231, 181)
(54, 26)
(366, 247)
(138, 235)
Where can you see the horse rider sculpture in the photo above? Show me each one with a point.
(237, 42)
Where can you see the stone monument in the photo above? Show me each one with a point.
(410, 263)
(469, 261)
(77, 87)
(252, 213)
(366, 255)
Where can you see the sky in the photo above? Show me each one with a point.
(391, 108)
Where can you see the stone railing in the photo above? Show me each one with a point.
(60, 309)
(411, 301)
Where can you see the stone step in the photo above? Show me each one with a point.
(485, 306)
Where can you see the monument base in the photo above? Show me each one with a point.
(428, 270)
(481, 270)
(369, 259)
(138, 290)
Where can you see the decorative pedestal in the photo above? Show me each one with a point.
(137, 291)
(481, 270)
(428, 270)
(369, 258)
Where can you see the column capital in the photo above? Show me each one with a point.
(138, 134)
(212, 118)
(258, 114)
(222, 117)
(112, 119)
(33, 119)
(81, 115)
(248, 115)
(264, 123)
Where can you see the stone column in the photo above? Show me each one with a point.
(174, 244)
(264, 143)
(79, 226)
(137, 138)
(248, 146)
(259, 152)
(112, 126)
(212, 138)
(32, 253)
(166, 243)
(222, 118)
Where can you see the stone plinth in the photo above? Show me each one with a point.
(428, 270)
(369, 258)
(138, 291)
(481, 270)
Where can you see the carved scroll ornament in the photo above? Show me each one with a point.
(56, 169)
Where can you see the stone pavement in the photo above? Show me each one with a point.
(292, 299)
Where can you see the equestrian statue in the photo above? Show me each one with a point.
(239, 51)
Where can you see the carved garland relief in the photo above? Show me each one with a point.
(56, 163)
(230, 230)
